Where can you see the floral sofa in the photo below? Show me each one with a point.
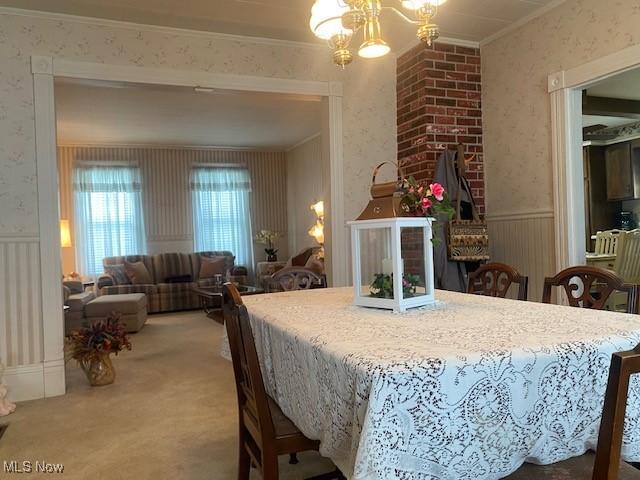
(174, 276)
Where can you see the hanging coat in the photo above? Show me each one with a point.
(449, 275)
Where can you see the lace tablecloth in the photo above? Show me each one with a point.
(469, 389)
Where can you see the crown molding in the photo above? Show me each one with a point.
(303, 141)
(103, 22)
(523, 21)
(156, 146)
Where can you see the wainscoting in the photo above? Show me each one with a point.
(20, 309)
(526, 241)
(21, 342)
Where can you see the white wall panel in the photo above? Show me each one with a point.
(20, 309)
(525, 243)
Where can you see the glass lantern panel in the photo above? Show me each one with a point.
(414, 281)
(376, 264)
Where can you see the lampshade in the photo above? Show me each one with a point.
(326, 19)
(317, 232)
(416, 4)
(374, 46)
(65, 234)
(318, 208)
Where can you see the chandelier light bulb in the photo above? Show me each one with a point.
(374, 50)
(326, 19)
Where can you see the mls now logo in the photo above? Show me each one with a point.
(32, 467)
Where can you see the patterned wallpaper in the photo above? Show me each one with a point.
(515, 101)
(369, 102)
(369, 113)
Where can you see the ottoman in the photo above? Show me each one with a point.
(131, 306)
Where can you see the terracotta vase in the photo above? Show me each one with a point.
(99, 370)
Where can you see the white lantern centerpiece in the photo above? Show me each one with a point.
(392, 239)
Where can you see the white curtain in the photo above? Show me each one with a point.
(108, 214)
(221, 212)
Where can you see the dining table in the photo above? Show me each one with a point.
(467, 388)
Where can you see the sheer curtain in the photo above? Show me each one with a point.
(221, 212)
(108, 214)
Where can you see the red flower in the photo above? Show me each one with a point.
(437, 190)
(425, 203)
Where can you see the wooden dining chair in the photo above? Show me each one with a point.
(591, 287)
(606, 464)
(495, 279)
(291, 278)
(265, 431)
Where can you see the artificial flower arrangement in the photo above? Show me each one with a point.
(382, 286)
(423, 199)
(91, 346)
(268, 238)
(417, 199)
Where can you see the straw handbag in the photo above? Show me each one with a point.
(468, 239)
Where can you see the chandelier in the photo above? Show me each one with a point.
(338, 20)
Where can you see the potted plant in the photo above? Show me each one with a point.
(91, 347)
(268, 238)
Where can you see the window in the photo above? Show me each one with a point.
(221, 212)
(108, 213)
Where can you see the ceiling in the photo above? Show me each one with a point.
(104, 113)
(624, 85)
(472, 20)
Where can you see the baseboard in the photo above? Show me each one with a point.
(30, 382)
(25, 382)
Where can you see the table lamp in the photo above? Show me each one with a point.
(65, 234)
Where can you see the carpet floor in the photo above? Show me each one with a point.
(171, 413)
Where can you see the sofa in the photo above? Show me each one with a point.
(173, 277)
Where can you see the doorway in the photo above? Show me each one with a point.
(566, 95)
(46, 69)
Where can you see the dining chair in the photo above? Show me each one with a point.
(495, 279)
(265, 432)
(626, 265)
(291, 278)
(606, 463)
(591, 287)
(607, 242)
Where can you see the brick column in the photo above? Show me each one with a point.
(439, 91)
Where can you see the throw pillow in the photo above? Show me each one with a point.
(212, 266)
(138, 273)
(301, 258)
(118, 273)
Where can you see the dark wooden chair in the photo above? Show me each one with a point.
(606, 463)
(591, 287)
(292, 278)
(265, 432)
(495, 279)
